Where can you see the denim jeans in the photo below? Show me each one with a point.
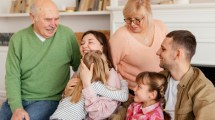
(37, 110)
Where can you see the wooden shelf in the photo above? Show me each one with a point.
(4, 15)
(174, 6)
(85, 13)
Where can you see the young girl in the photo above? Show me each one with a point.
(149, 98)
(93, 98)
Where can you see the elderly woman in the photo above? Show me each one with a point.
(134, 45)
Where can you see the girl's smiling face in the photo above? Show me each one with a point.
(142, 93)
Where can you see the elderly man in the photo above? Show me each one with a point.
(38, 65)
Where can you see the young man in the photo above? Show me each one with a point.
(38, 65)
(190, 95)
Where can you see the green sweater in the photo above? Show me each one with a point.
(37, 70)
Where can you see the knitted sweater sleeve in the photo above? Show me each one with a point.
(13, 73)
(118, 46)
(76, 56)
(118, 95)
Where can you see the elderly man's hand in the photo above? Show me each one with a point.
(20, 114)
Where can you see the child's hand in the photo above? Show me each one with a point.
(70, 86)
(86, 75)
(72, 83)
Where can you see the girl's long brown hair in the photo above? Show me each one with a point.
(100, 72)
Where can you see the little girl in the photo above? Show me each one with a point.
(149, 98)
(100, 99)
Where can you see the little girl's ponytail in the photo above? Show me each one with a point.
(163, 100)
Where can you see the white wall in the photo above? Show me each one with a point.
(3, 55)
(202, 1)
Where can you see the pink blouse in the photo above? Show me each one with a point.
(131, 57)
(152, 112)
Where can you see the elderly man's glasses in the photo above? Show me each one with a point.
(135, 20)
